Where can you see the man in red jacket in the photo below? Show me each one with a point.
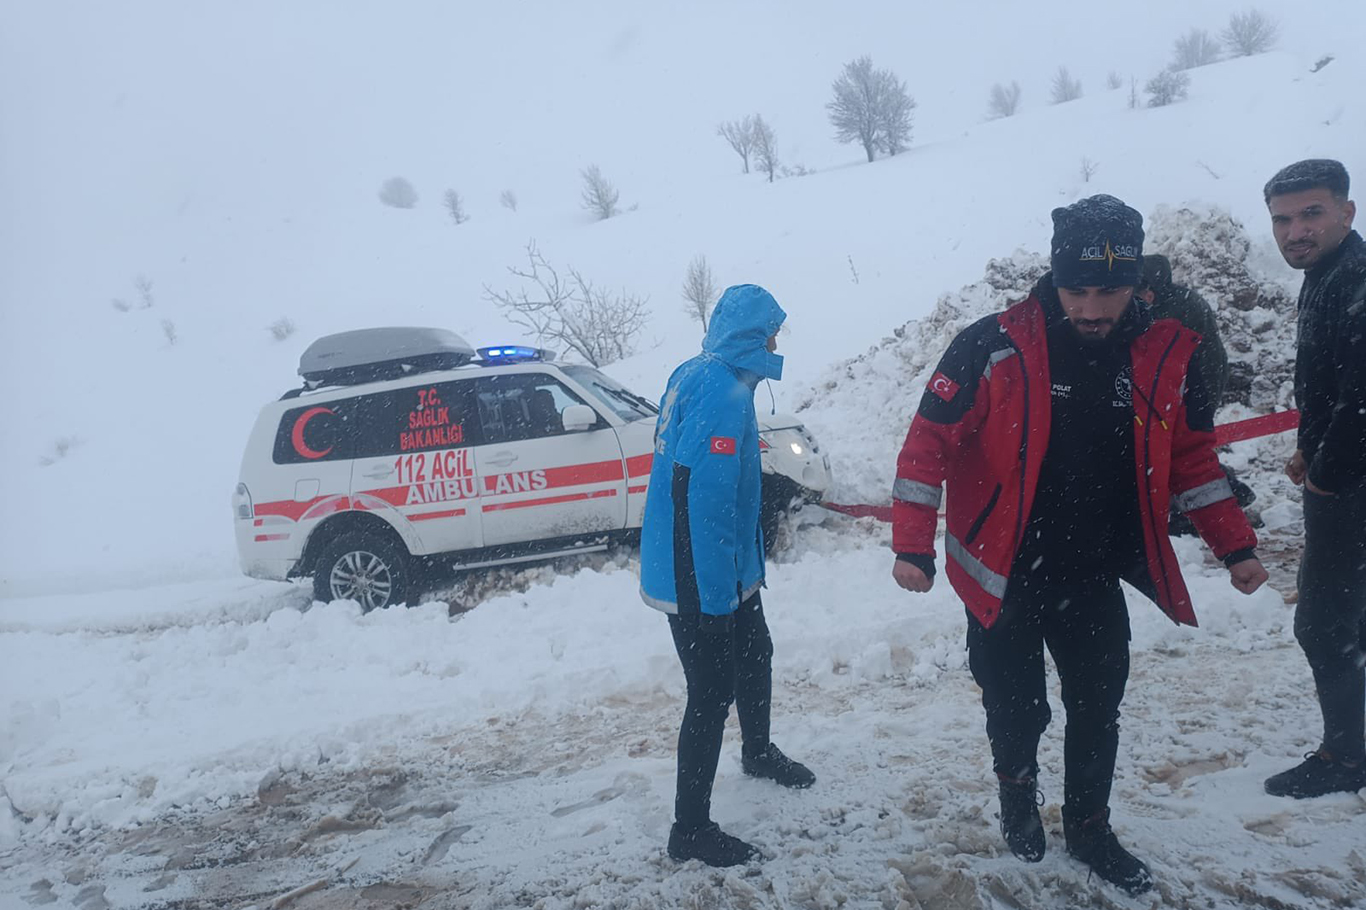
(1065, 428)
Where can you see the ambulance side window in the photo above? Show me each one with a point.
(521, 406)
(324, 431)
(416, 419)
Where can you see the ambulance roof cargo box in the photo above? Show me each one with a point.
(371, 355)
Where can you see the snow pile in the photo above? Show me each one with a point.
(1211, 252)
(862, 407)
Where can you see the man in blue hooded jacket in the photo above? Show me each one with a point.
(702, 562)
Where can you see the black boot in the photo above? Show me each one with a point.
(709, 844)
(1020, 823)
(1318, 775)
(1091, 841)
(771, 764)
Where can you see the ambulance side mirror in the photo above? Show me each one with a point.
(578, 417)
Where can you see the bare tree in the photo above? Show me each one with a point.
(168, 329)
(1065, 88)
(456, 206)
(1252, 32)
(1322, 62)
(598, 325)
(699, 290)
(765, 147)
(509, 200)
(1133, 93)
(1195, 48)
(398, 193)
(739, 135)
(598, 196)
(894, 114)
(1088, 169)
(1114, 80)
(143, 285)
(282, 328)
(1167, 87)
(1004, 101)
(871, 107)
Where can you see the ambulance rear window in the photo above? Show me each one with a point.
(316, 432)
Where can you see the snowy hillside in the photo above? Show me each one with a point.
(173, 734)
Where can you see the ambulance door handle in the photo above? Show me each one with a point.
(501, 460)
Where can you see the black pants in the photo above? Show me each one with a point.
(1088, 636)
(736, 666)
(1330, 620)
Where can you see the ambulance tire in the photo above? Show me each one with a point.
(370, 569)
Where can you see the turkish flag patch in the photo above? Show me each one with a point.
(943, 386)
(722, 445)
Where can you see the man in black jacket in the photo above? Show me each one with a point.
(1311, 218)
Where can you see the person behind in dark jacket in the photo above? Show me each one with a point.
(1064, 428)
(1168, 300)
(702, 563)
(1311, 218)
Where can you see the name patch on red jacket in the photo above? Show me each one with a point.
(722, 445)
(943, 386)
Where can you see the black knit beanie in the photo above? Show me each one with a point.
(1097, 242)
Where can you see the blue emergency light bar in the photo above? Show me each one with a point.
(515, 353)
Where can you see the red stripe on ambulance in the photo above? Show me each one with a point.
(548, 501)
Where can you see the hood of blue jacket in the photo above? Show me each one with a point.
(745, 318)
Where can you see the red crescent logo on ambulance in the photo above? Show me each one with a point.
(298, 435)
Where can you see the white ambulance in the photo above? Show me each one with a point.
(408, 453)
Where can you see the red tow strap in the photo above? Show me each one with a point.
(1266, 425)
(1239, 430)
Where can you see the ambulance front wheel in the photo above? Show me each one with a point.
(366, 568)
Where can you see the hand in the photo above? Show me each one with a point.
(1248, 575)
(910, 577)
(1296, 468)
(1309, 485)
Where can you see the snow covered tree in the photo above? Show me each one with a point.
(765, 147)
(699, 290)
(1114, 80)
(1195, 48)
(508, 199)
(398, 193)
(1252, 32)
(739, 135)
(598, 325)
(598, 196)
(1004, 101)
(143, 285)
(1065, 88)
(281, 328)
(1167, 87)
(894, 114)
(871, 107)
(456, 206)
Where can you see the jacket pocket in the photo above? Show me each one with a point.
(982, 518)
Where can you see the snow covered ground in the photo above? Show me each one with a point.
(175, 735)
(521, 754)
